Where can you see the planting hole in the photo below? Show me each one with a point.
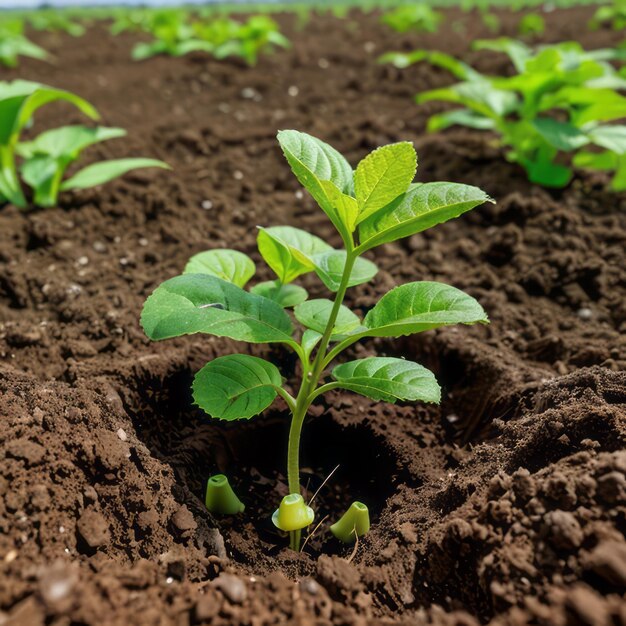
(344, 463)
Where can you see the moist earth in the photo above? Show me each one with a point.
(506, 505)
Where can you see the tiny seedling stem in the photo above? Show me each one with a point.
(9, 180)
(310, 377)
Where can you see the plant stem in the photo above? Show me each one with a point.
(9, 181)
(318, 364)
(310, 379)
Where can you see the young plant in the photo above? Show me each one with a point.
(14, 44)
(613, 14)
(176, 35)
(531, 24)
(173, 36)
(53, 20)
(48, 156)
(376, 204)
(257, 35)
(557, 102)
(419, 18)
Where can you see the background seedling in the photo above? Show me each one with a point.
(558, 101)
(531, 24)
(376, 204)
(47, 157)
(14, 44)
(613, 14)
(177, 33)
(418, 17)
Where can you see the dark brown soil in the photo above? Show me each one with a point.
(506, 505)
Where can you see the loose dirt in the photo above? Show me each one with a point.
(506, 505)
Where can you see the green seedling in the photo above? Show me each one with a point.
(220, 497)
(417, 17)
(375, 204)
(53, 20)
(613, 14)
(491, 21)
(176, 34)
(557, 102)
(292, 516)
(355, 522)
(14, 44)
(47, 157)
(531, 24)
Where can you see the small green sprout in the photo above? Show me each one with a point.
(53, 20)
(175, 34)
(14, 44)
(531, 24)
(220, 497)
(417, 17)
(47, 157)
(613, 14)
(375, 204)
(557, 102)
(355, 522)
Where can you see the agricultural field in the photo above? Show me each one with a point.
(313, 317)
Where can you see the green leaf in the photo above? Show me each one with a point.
(237, 386)
(422, 207)
(619, 179)
(345, 206)
(285, 295)
(329, 267)
(104, 171)
(461, 117)
(612, 137)
(547, 173)
(388, 379)
(20, 99)
(382, 176)
(607, 105)
(314, 314)
(39, 170)
(229, 265)
(518, 52)
(310, 338)
(479, 95)
(561, 135)
(420, 306)
(289, 251)
(602, 161)
(441, 59)
(313, 161)
(197, 303)
(67, 141)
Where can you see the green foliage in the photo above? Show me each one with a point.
(418, 17)
(201, 303)
(557, 102)
(14, 44)
(371, 206)
(531, 24)
(229, 265)
(53, 20)
(46, 158)
(177, 32)
(613, 14)
(388, 379)
(236, 386)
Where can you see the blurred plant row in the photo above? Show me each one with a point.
(556, 107)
